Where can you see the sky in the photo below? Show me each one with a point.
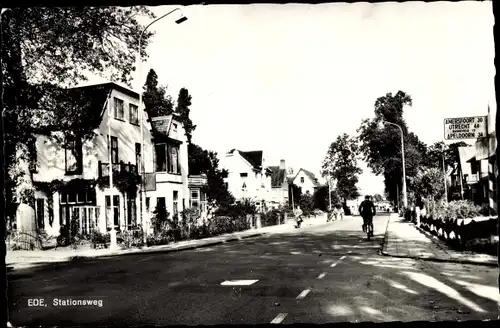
(288, 79)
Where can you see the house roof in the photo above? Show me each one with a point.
(277, 176)
(310, 175)
(252, 157)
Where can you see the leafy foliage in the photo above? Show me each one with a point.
(381, 146)
(58, 44)
(126, 182)
(428, 183)
(307, 204)
(202, 161)
(160, 219)
(183, 110)
(341, 165)
(156, 100)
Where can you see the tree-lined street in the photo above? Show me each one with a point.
(318, 274)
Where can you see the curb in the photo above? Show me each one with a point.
(432, 259)
(144, 250)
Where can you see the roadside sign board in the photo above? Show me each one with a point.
(465, 128)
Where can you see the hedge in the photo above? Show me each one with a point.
(459, 223)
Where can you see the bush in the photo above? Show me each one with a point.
(99, 240)
(130, 238)
(160, 238)
(270, 218)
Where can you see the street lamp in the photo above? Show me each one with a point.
(405, 198)
(141, 111)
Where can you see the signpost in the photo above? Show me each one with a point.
(465, 128)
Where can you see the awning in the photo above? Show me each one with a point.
(486, 147)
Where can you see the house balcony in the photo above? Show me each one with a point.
(117, 167)
(197, 181)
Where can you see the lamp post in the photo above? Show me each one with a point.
(405, 197)
(141, 111)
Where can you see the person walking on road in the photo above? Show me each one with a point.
(340, 211)
(367, 211)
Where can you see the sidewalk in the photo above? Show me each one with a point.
(27, 258)
(404, 239)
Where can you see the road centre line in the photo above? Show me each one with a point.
(321, 276)
(279, 318)
(303, 294)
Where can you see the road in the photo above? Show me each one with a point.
(319, 274)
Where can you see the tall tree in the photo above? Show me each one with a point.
(59, 45)
(156, 100)
(381, 146)
(340, 164)
(202, 161)
(183, 110)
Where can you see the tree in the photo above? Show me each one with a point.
(306, 204)
(206, 162)
(321, 199)
(156, 100)
(294, 194)
(428, 183)
(183, 110)
(60, 45)
(381, 146)
(341, 165)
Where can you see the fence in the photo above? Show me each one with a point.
(460, 231)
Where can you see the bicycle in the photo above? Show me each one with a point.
(368, 228)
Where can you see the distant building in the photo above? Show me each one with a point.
(279, 185)
(306, 181)
(248, 176)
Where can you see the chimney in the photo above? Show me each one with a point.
(282, 165)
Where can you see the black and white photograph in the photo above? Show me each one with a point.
(252, 163)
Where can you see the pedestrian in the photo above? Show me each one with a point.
(340, 211)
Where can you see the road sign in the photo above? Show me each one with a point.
(465, 128)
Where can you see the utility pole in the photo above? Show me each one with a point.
(444, 175)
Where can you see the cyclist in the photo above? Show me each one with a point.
(298, 215)
(367, 212)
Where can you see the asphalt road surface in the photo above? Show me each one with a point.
(318, 274)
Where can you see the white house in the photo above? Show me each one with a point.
(248, 176)
(81, 166)
(306, 180)
(279, 185)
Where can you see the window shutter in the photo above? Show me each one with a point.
(154, 160)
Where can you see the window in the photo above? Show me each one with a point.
(148, 202)
(73, 155)
(174, 127)
(115, 209)
(301, 179)
(134, 114)
(174, 165)
(161, 158)
(40, 213)
(138, 156)
(119, 112)
(243, 175)
(244, 186)
(82, 197)
(195, 198)
(160, 203)
(114, 149)
(176, 205)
